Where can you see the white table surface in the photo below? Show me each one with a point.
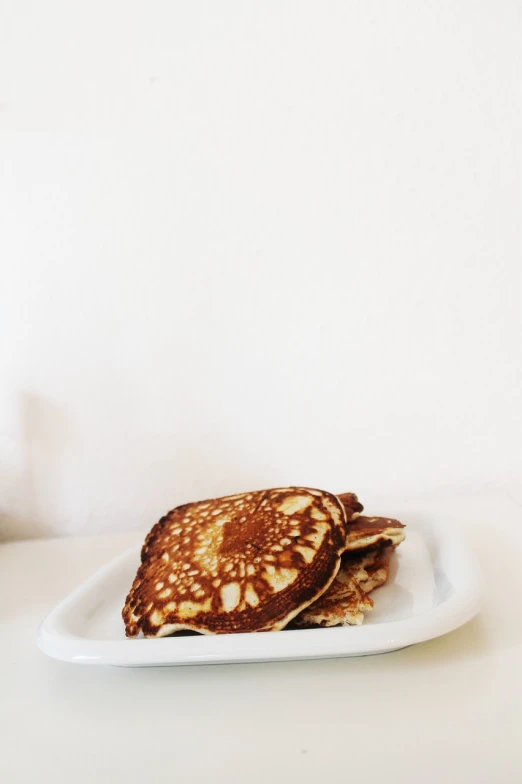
(448, 710)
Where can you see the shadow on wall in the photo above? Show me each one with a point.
(29, 491)
(199, 462)
(217, 466)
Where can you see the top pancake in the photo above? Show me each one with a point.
(248, 562)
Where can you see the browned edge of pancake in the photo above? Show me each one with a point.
(352, 505)
(364, 531)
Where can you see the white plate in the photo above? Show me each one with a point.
(435, 586)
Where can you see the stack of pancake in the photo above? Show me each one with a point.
(260, 561)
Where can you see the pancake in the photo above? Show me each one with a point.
(346, 600)
(378, 569)
(244, 563)
(366, 532)
(352, 505)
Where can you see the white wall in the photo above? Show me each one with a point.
(255, 243)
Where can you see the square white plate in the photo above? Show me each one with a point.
(435, 586)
